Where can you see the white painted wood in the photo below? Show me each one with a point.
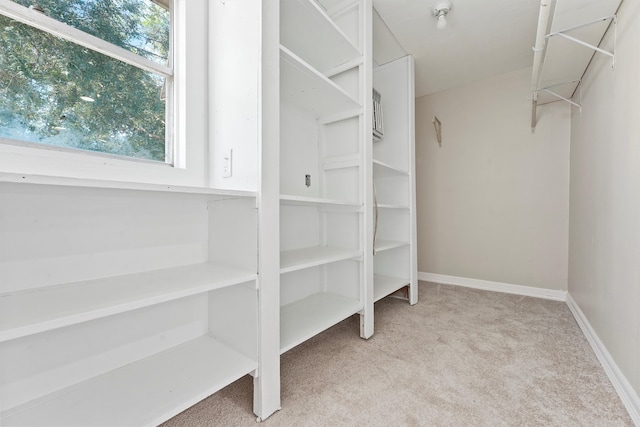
(324, 90)
(310, 257)
(394, 176)
(386, 285)
(315, 201)
(306, 318)
(58, 181)
(338, 162)
(266, 389)
(144, 393)
(57, 235)
(44, 363)
(234, 66)
(305, 87)
(395, 207)
(307, 30)
(39, 310)
(385, 245)
(384, 170)
(393, 190)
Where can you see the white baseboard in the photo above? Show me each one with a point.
(486, 285)
(627, 394)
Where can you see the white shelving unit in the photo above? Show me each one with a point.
(323, 71)
(395, 260)
(122, 303)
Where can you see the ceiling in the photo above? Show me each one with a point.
(483, 38)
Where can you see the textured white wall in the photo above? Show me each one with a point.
(493, 201)
(604, 261)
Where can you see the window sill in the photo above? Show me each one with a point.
(56, 181)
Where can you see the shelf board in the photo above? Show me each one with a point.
(38, 310)
(311, 257)
(143, 393)
(386, 285)
(316, 201)
(384, 170)
(341, 162)
(304, 87)
(385, 245)
(309, 316)
(307, 30)
(389, 206)
(57, 181)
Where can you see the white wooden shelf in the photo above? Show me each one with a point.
(307, 30)
(384, 170)
(316, 201)
(56, 181)
(390, 206)
(144, 393)
(386, 285)
(38, 310)
(306, 88)
(309, 316)
(311, 257)
(385, 245)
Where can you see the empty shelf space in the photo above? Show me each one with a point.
(37, 310)
(386, 285)
(316, 201)
(341, 162)
(384, 170)
(304, 87)
(307, 30)
(55, 181)
(144, 393)
(385, 245)
(311, 257)
(307, 317)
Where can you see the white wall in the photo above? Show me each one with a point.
(604, 261)
(493, 200)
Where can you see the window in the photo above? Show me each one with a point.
(88, 74)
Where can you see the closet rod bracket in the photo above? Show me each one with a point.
(614, 21)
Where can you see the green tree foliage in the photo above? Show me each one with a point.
(56, 92)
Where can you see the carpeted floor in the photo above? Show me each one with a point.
(460, 357)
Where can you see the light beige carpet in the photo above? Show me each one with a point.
(460, 357)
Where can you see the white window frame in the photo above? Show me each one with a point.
(38, 20)
(185, 76)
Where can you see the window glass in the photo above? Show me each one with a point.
(140, 26)
(58, 93)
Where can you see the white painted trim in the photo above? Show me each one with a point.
(626, 392)
(487, 285)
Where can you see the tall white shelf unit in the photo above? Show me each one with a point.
(324, 73)
(122, 304)
(395, 260)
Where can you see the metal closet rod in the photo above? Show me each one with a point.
(538, 59)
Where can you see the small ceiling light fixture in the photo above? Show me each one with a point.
(440, 10)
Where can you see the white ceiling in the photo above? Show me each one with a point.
(483, 38)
